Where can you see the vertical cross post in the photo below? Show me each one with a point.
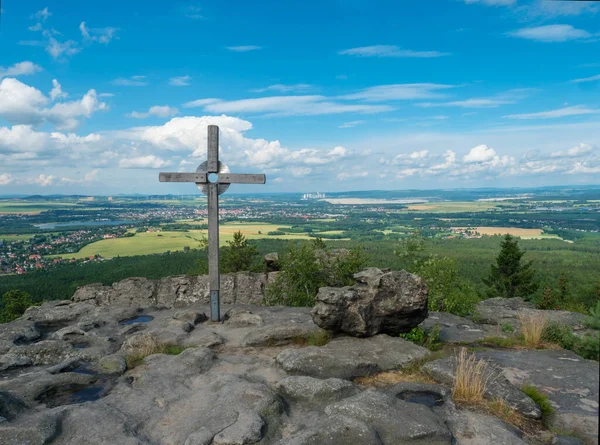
(203, 178)
(213, 223)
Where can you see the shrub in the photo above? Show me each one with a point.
(587, 346)
(447, 291)
(532, 328)
(238, 255)
(507, 328)
(593, 321)
(549, 301)
(429, 339)
(472, 378)
(305, 268)
(15, 304)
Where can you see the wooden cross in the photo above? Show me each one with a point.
(213, 179)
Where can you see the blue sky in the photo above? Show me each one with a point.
(98, 97)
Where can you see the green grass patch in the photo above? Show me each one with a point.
(541, 399)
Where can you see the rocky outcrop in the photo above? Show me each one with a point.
(379, 303)
(177, 291)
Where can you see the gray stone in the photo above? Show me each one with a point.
(337, 430)
(202, 338)
(66, 366)
(237, 318)
(455, 329)
(390, 302)
(499, 311)
(200, 437)
(311, 390)
(56, 314)
(426, 393)
(473, 428)
(112, 364)
(272, 261)
(133, 292)
(68, 331)
(570, 382)
(348, 358)
(13, 360)
(19, 331)
(10, 406)
(249, 287)
(34, 387)
(395, 421)
(246, 430)
(567, 440)
(498, 387)
(278, 335)
(45, 352)
(192, 317)
(36, 429)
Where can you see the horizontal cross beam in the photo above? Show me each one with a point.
(223, 178)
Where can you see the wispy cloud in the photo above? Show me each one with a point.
(243, 48)
(133, 81)
(551, 33)
(492, 2)
(390, 51)
(180, 81)
(192, 11)
(508, 97)
(351, 124)
(587, 79)
(101, 35)
(576, 110)
(284, 88)
(407, 91)
(285, 106)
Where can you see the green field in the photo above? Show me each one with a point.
(32, 207)
(158, 242)
(16, 237)
(455, 207)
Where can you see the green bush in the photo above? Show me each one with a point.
(447, 291)
(587, 346)
(593, 321)
(238, 255)
(429, 339)
(15, 303)
(305, 268)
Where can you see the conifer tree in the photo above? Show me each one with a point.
(510, 276)
(238, 255)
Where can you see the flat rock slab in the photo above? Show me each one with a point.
(570, 382)
(499, 387)
(348, 358)
(455, 329)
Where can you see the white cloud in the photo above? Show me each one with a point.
(192, 11)
(551, 9)
(390, 51)
(42, 15)
(587, 79)
(22, 104)
(157, 111)
(351, 124)
(551, 33)
(6, 179)
(101, 35)
(243, 48)
(480, 153)
(277, 180)
(285, 106)
(574, 152)
(133, 81)
(507, 97)
(492, 2)
(576, 110)
(283, 88)
(299, 172)
(43, 180)
(57, 92)
(180, 81)
(408, 91)
(149, 161)
(352, 175)
(88, 178)
(59, 49)
(20, 69)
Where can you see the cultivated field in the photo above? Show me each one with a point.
(370, 201)
(159, 242)
(454, 207)
(515, 231)
(32, 207)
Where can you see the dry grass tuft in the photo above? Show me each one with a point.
(532, 328)
(472, 378)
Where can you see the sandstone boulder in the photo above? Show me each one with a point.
(379, 303)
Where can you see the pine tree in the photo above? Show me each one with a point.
(238, 255)
(510, 276)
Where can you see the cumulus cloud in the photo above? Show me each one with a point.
(480, 153)
(20, 69)
(5, 179)
(23, 104)
(574, 152)
(157, 111)
(390, 51)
